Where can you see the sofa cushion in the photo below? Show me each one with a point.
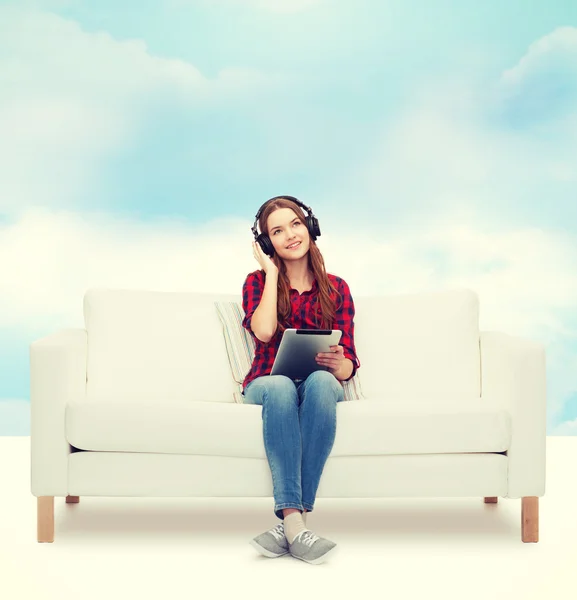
(421, 346)
(371, 427)
(240, 347)
(155, 345)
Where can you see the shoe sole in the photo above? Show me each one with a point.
(320, 559)
(262, 550)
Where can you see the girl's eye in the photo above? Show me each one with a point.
(295, 223)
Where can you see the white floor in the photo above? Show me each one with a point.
(198, 548)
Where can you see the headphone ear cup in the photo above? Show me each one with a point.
(266, 245)
(313, 227)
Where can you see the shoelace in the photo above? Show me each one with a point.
(307, 537)
(278, 532)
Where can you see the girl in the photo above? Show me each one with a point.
(293, 289)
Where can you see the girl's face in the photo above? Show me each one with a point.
(286, 228)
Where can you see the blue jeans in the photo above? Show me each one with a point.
(299, 428)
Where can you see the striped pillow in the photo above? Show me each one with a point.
(240, 348)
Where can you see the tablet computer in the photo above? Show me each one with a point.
(295, 357)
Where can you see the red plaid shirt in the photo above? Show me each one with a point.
(301, 317)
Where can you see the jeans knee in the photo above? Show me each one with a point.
(325, 378)
(281, 386)
(321, 376)
(281, 382)
(327, 382)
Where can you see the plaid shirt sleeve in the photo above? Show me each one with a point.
(344, 320)
(251, 294)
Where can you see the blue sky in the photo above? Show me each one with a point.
(436, 141)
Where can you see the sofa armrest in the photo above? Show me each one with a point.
(57, 376)
(513, 377)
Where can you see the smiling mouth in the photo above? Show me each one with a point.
(294, 247)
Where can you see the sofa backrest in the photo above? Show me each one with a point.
(170, 346)
(156, 345)
(420, 346)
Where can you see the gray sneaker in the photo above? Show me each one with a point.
(272, 543)
(311, 548)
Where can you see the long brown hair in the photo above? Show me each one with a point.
(316, 264)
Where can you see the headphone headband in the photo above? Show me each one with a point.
(295, 200)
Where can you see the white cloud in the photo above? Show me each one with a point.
(282, 6)
(555, 51)
(59, 254)
(441, 158)
(271, 6)
(71, 98)
(14, 417)
(46, 4)
(540, 91)
(459, 147)
(566, 428)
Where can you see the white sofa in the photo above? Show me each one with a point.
(140, 403)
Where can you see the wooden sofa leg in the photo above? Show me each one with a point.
(45, 518)
(530, 518)
(72, 499)
(491, 499)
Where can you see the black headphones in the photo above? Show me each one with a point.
(263, 239)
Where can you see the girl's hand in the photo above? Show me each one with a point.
(263, 259)
(333, 360)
